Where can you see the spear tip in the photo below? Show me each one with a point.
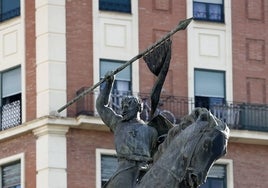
(184, 23)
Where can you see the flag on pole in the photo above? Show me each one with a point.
(158, 61)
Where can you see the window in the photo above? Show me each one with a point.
(123, 6)
(216, 177)
(12, 171)
(122, 84)
(209, 88)
(208, 10)
(106, 165)
(220, 175)
(10, 98)
(9, 9)
(11, 175)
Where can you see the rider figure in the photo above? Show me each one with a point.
(133, 139)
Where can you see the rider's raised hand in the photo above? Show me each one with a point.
(109, 76)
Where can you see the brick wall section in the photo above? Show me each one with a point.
(79, 48)
(81, 155)
(249, 161)
(30, 65)
(166, 15)
(249, 164)
(22, 144)
(250, 50)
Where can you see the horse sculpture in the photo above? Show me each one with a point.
(189, 150)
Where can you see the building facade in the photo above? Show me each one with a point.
(53, 50)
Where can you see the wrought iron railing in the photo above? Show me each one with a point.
(11, 115)
(253, 117)
(236, 114)
(172, 107)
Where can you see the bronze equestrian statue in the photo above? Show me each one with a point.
(159, 154)
(182, 160)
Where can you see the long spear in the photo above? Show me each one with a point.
(181, 26)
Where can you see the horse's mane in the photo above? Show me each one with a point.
(185, 122)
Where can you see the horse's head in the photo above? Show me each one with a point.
(188, 152)
(206, 143)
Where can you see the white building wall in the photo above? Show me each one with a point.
(115, 37)
(12, 48)
(50, 56)
(210, 47)
(51, 156)
(11, 43)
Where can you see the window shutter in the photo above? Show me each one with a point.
(11, 82)
(11, 175)
(217, 171)
(108, 167)
(209, 84)
(111, 66)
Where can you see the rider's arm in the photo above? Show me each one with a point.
(108, 116)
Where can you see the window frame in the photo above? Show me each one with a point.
(16, 11)
(116, 95)
(209, 97)
(10, 160)
(14, 97)
(228, 163)
(211, 178)
(207, 8)
(99, 153)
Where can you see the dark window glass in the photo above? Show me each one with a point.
(208, 102)
(215, 12)
(10, 98)
(200, 10)
(115, 5)
(9, 9)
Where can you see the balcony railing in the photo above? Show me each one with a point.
(242, 116)
(237, 115)
(11, 115)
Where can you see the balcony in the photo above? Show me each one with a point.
(237, 115)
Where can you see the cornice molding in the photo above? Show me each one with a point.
(249, 137)
(58, 125)
(54, 125)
